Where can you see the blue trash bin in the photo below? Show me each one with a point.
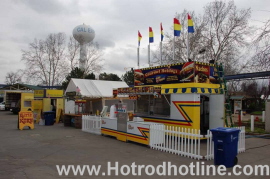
(225, 146)
(49, 117)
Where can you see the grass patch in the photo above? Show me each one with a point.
(256, 113)
(256, 130)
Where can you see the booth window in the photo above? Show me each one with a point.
(148, 105)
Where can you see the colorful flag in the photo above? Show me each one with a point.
(161, 32)
(177, 27)
(139, 38)
(151, 35)
(190, 25)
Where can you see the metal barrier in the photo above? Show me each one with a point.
(91, 124)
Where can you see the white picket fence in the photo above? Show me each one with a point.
(177, 140)
(91, 124)
(210, 143)
(187, 142)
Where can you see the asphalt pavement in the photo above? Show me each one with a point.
(35, 153)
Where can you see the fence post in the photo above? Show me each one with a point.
(252, 123)
(263, 116)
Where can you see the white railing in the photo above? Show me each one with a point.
(210, 143)
(91, 124)
(187, 142)
(176, 140)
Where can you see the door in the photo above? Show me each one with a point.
(216, 113)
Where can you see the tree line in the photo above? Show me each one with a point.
(222, 33)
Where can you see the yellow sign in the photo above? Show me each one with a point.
(26, 119)
(54, 93)
(38, 93)
(37, 104)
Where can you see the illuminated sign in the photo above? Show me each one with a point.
(188, 72)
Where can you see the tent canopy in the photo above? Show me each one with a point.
(94, 88)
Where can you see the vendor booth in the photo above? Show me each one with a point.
(48, 101)
(84, 96)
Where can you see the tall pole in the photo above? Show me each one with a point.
(149, 54)
(173, 46)
(161, 53)
(138, 57)
(187, 45)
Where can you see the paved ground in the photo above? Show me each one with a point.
(35, 153)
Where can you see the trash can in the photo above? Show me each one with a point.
(49, 117)
(225, 146)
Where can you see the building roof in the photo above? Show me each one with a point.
(94, 88)
(19, 86)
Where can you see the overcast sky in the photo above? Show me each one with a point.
(116, 23)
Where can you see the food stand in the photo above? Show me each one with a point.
(125, 127)
(184, 94)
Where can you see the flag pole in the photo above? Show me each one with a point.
(149, 54)
(187, 45)
(138, 57)
(161, 53)
(173, 46)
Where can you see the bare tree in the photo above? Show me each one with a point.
(73, 52)
(14, 77)
(45, 60)
(261, 60)
(219, 34)
(93, 56)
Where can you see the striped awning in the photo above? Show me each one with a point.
(191, 90)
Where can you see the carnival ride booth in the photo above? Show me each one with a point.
(88, 97)
(182, 95)
(48, 101)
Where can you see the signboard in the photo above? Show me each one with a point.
(176, 73)
(140, 90)
(38, 93)
(114, 93)
(54, 93)
(26, 119)
(71, 95)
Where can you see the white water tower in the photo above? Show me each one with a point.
(83, 34)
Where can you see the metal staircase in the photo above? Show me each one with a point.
(223, 90)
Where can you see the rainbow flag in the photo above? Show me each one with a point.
(177, 27)
(139, 38)
(161, 32)
(190, 25)
(151, 35)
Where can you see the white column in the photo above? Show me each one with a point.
(263, 116)
(252, 123)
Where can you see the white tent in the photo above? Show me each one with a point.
(94, 88)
